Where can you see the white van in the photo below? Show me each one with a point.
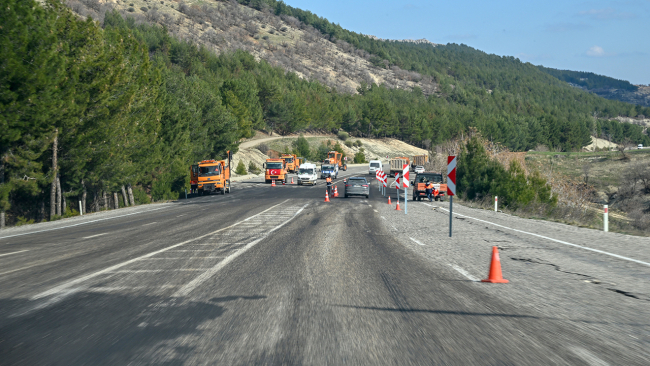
(307, 174)
(374, 166)
(640, 146)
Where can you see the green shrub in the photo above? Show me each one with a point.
(253, 169)
(70, 212)
(343, 135)
(130, 10)
(349, 143)
(241, 168)
(140, 196)
(358, 143)
(360, 157)
(23, 221)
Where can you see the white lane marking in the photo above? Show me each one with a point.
(190, 250)
(84, 223)
(416, 241)
(57, 289)
(158, 270)
(18, 269)
(375, 210)
(587, 356)
(175, 258)
(20, 251)
(555, 240)
(180, 215)
(151, 223)
(189, 287)
(464, 273)
(94, 236)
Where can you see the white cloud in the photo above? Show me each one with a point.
(596, 51)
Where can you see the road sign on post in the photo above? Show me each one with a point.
(451, 185)
(397, 187)
(405, 184)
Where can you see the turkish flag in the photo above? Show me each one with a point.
(274, 171)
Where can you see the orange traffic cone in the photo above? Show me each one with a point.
(291, 180)
(336, 192)
(284, 182)
(389, 200)
(495, 269)
(273, 183)
(327, 197)
(397, 208)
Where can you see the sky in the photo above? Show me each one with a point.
(610, 38)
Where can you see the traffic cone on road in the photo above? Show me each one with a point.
(291, 180)
(336, 192)
(495, 269)
(397, 208)
(284, 182)
(389, 200)
(327, 197)
(273, 183)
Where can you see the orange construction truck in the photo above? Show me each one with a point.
(420, 183)
(335, 157)
(275, 169)
(209, 176)
(292, 162)
(397, 165)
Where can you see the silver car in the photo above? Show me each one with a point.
(357, 186)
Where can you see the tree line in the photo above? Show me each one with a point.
(114, 117)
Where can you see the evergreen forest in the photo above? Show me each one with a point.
(118, 113)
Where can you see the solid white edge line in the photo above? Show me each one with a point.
(20, 251)
(68, 284)
(82, 223)
(416, 241)
(94, 236)
(555, 240)
(190, 286)
(464, 273)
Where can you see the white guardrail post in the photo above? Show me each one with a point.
(606, 219)
(80, 210)
(496, 200)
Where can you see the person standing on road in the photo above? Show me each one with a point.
(429, 190)
(328, 180)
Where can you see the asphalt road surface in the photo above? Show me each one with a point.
(276, 276)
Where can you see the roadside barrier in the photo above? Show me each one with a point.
(327, 197)
(495, 275)
(273, 183)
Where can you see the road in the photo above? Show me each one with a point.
(277, 276)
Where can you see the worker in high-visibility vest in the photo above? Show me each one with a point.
(429, 190)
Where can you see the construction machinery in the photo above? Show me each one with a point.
(336, 158)
(419, 160)
(209, 176)
(292, 162)
(397, 164)
(275, 169)
(420, 183)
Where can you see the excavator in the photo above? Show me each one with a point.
(292, 162)
(211, 175)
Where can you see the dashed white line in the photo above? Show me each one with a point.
(20, 251)
(151, 223)
(94, 236)
(375, 210)
(416, 241)
(555, 240)
(464, 273)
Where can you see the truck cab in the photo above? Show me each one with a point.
(331, 170)
(291, 161)
(307, 174)
(208, 176)
(275, 169)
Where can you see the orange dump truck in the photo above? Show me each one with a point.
(334, 157)
(420, 183)
(419, 160)
(397, 165)
(275, 169)
(292, 162)
(209, 176)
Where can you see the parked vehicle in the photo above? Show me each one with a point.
(357, 186)
(419, 169)
(307, 174)
(275, 169)
(640, 146)
(420, 182)
(209, 176)
(373, 166)
(329, 170)
(397, 165)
